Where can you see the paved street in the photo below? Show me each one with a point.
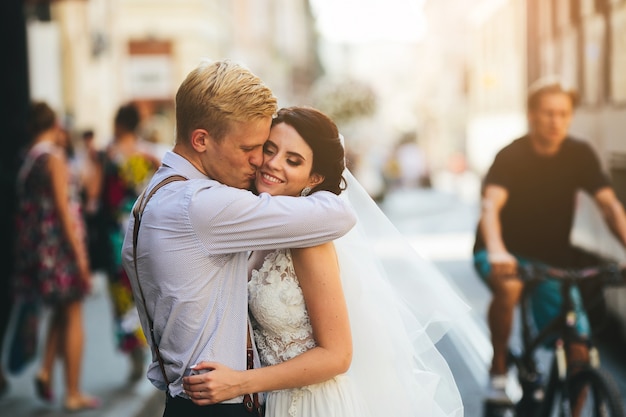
(441, 228)
(104, 375)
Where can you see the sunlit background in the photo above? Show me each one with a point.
(425, 92)
(448, 75)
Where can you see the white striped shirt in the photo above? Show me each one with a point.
(192, 253)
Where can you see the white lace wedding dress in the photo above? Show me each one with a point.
(282, 330)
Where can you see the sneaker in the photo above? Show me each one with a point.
(496, 392)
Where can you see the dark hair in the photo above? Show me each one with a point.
(542, 88)
(127, 117)
(88, 134)
(322, 135)
(41, 117)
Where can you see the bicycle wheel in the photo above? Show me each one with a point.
(593, 393)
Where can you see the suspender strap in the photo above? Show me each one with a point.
(251, 402)
(142, 202)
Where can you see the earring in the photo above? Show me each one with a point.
(305, 191)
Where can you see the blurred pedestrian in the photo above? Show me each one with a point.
(412, 163)
(406, 166)
(52, 265)
(90, 166)
(128, 165)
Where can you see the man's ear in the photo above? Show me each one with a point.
(315, 179)
(200, 140)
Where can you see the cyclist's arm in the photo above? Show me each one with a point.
(493, 200)
(613, 212)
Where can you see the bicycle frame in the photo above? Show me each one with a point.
(563, 329)
(584, 388)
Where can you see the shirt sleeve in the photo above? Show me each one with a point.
(229, 220)
(499, 172)
(593, 178)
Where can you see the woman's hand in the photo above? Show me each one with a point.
(213, 383)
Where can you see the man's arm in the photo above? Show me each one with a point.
(613, 212)
(493, 200)
(238, 220)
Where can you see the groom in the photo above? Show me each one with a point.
(189, 273)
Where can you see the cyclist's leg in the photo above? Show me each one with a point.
(505, 296)
(591, 291)
(546, 304)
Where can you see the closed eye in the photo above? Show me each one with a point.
(294, 163)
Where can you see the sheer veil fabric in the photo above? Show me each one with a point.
(400, 305)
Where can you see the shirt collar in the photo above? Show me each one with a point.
(182, 166)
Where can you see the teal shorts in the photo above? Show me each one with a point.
(546, 298)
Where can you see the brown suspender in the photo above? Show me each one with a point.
(251, 402)
(137, 213)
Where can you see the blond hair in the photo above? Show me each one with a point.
(216, 94)
(547, 86)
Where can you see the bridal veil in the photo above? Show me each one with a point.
(400, 305)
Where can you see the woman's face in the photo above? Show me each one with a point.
(287, 163)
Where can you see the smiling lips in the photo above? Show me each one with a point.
(271, 179)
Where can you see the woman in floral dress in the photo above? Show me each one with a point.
(52, 265)
(128, 165)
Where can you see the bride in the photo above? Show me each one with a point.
(332, 324)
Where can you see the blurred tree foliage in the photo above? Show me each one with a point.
(344, 101)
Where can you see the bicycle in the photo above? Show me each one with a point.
(572, 390)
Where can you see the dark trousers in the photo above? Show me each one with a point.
(182, 407)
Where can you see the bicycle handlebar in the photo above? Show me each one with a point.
(611, 272)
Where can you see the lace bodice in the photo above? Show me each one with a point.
(282, 329)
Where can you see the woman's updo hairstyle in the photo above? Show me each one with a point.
(322, 135)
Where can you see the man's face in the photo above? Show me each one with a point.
(549, 122)
(233, 161)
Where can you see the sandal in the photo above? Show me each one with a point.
(81, 403)
(43, 389)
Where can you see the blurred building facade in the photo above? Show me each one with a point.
(86, 57)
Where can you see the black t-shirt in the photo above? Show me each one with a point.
(538, 215)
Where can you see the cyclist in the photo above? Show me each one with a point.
(528, 199)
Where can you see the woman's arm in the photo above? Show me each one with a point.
(59, 175)
(318, 272)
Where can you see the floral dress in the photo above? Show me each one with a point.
(124, 179)
(46, 267)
